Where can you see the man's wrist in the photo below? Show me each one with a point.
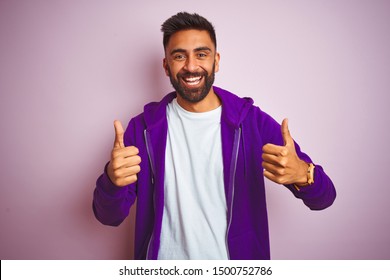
(303, 180)
(308, 179)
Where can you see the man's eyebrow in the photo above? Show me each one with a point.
(178, 51)
(199, 49)
(202, 49)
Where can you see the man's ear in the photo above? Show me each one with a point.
(217, 58)
(165, 66)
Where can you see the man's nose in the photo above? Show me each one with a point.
(191, 64)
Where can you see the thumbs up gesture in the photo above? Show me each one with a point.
(124, 164)
(281, 163)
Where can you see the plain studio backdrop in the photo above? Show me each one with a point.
(69, 68)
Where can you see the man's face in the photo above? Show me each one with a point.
(191, 62)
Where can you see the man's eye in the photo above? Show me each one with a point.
(202, 55)
(179, 57)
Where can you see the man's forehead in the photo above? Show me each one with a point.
(190, 40)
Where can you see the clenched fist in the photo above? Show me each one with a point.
(124, 164)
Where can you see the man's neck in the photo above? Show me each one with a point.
(209, 103)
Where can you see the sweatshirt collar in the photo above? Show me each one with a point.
(234, 108)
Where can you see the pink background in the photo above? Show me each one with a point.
(69, 68)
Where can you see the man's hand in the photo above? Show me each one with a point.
(124, 164)
(281, 163)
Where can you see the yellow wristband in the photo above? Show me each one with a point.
(310, 174)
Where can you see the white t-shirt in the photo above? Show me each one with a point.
(195, 213)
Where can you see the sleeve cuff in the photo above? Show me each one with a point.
(108, 186)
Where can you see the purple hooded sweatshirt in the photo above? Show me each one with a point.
(244, 129)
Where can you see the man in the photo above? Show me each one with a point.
(196, 161)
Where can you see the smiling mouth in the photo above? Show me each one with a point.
(192, 81)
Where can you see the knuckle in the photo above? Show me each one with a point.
(284, 151)
(115, 180)
(132, 179)
(268, 167)
(120, 183)
(280, 180)
(134, 150)
(117, 173)
(283, 162)
(137, 169)
(115, 164)
(133, 160)
(277, 180)
(115, 153)
(138, 159)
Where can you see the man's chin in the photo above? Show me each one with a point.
(192, 89)
(193, 96)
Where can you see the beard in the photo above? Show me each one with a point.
(192, 95)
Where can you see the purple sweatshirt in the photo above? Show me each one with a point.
(245, 129)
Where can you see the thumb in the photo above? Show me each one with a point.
(287, 139)
(119, 132)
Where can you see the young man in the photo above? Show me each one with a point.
(196, 161)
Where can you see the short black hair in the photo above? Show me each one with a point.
(185, 21)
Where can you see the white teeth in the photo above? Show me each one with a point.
(192, 80)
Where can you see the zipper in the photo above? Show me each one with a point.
(148, 150)
(233, 166)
